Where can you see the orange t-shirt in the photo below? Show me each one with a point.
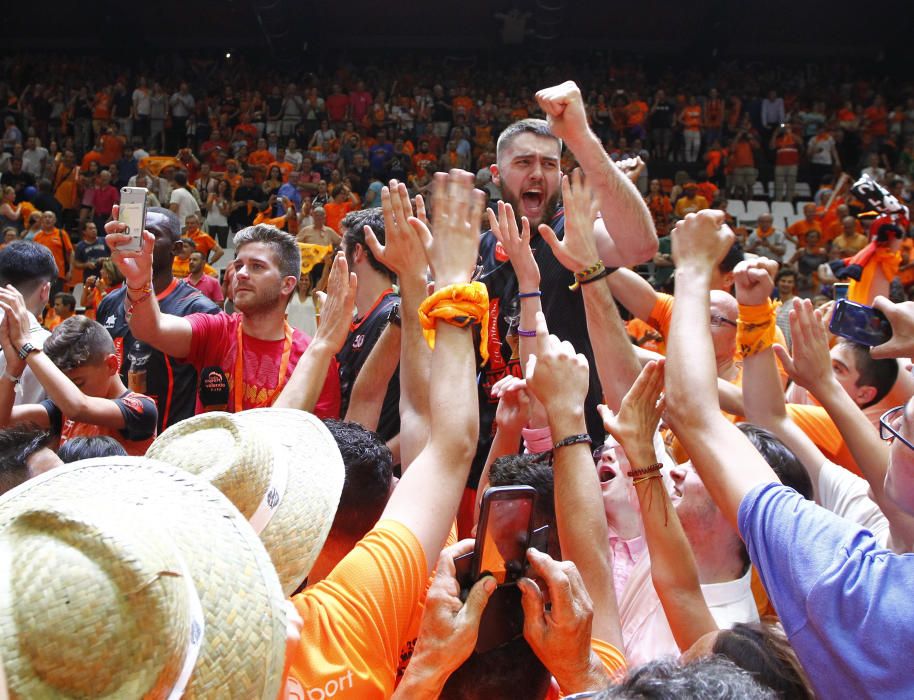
(715, 159)
(354, 622)
(101, 109)
(203, 241)
(260, 158)
(821, 429)
(336, 213)
(742, 155)
(112, 148)
(799, 230)
(691, 117)
(636, 113)
(877, 120)
(714, 113)
(685, 205)
(60, 245)
(464, 104)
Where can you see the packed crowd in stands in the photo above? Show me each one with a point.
(508, 392)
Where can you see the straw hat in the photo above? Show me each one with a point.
(126, 577)
(280, 467)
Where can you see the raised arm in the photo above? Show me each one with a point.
(429, 493)
(810, 367)
(673, 568)
(558, 377)
(763, 398)
(715, 445)
(307, 380)
(403, 253)
(616, 362)
(170, 334)
(72, 402)
(633, 238)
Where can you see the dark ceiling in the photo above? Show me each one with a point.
(291, 27)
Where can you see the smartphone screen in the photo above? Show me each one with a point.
(504, 536)
(840, 290)
(859, 323)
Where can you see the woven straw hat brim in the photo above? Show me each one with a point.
(243, 650)
(298, 529)
(248, 445)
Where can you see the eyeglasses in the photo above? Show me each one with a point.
(889, 422)
(717, 321)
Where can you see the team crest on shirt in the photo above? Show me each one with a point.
(110, 321)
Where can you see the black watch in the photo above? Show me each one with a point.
(26, 350)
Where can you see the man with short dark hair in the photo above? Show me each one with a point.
(249, 199)
(376, 305)
(182, 202)
(31, 269)
(247, 357)
(170, 382)
(528, 171)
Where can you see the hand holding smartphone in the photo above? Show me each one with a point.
(861, 324)
(132, 212)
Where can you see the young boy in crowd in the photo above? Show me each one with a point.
(79, 370)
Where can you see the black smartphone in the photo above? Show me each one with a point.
(839, 290)
(859, 323)
(503, 534)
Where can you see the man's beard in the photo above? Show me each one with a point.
(550, 206)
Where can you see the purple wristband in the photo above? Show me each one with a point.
(526, 334)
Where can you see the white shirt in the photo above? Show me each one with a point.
(32, 390)
(645, 630)
(302, 315)
(187, 205)
(32, 158)
(847, 495)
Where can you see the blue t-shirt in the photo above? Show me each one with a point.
(846, 603)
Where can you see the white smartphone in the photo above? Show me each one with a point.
(133, 213)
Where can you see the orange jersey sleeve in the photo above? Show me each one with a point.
(819, 427)
(354, 622)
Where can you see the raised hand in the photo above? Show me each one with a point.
(632, 168)
(754, 280)
(810, 365)
(513, 412)
(402, 250)
(639, 414)
(901, 316)
(565, 111)
(701, 240)
(557, 375)
(136, 267)
(578, 248)
(516, 245)
(16, 316)
(456, 213)
(338, 304)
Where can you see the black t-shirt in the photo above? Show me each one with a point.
(240, 217)
(361, 340)
(662, 117)
(170, 382)
(274, 106)
(564, 311)
(92, 253)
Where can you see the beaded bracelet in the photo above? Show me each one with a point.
(644, 471)
(530, 295)
(132, 304)
(526, 334)
(573, 440)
